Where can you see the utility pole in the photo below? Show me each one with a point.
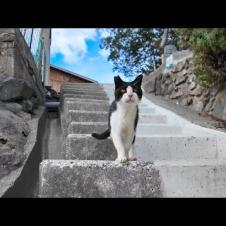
(163, 42)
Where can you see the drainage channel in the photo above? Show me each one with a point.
(54, 140)
(46, 146)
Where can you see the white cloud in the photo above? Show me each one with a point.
(104, 32)
(71, 43)
(104, 52)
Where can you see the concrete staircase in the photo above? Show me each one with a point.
(175, 157)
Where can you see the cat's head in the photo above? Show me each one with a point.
(128, 92)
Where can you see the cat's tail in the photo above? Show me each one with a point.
(101, 136)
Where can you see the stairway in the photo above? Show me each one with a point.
(175, 157)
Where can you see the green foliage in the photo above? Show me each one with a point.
(209, 47)
(133, 50)
(183, 36)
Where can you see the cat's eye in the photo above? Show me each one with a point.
(134, 89)
(123, 90)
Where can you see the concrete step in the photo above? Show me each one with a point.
(81, 85)
(175, 147)
(91, 93)
(98, 89)
(70, 116)
(77, 178)
(78, 85)
(91, 97)
(147, 110)
(87, 116)
(85, 87)
(85, 90)
(85, 147)
(112, 93)
(142, 129)
(152, 118)
(64, 109)
(85, 100)
(142, 105)
(196, 178)
(89, 100)
(146, 148)
(95, 179)
(87, 127)
(160, 129)
(86, 106)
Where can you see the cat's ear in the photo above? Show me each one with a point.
(138, 80)
(118, 81)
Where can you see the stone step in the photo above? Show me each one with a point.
(86, 106)
(91, 97)
(175, 147)
(87, 127)
(87, 116)
(96, 179)
(146, 148)
(149, 129)
(86, 178)
(85, 147)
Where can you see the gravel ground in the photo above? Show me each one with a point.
(185, 112)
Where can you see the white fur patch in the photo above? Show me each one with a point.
(130, 97)
(122, 125)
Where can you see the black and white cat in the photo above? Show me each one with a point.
(123, 117)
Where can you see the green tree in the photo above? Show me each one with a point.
(133, 50)
(209, 48)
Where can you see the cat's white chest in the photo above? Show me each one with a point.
(122, 120)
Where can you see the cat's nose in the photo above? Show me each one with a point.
(130, 95)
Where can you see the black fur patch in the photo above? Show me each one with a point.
(119, 86)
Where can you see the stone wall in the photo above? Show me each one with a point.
(21, 93)
(17, 65)
(178, 85)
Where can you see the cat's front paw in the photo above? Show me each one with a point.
(121, 159)
(132, 158)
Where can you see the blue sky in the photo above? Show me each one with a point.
(78, 50)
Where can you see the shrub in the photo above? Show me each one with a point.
(209, 48)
